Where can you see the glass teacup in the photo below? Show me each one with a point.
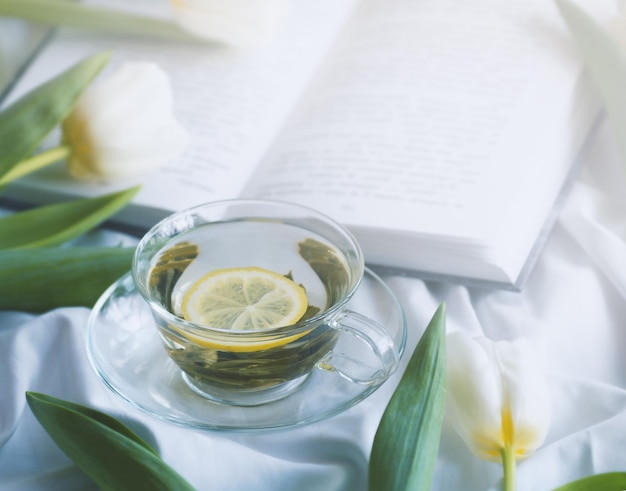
(217, 277)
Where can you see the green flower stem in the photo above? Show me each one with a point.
(35, 163)
(508, 462)
(62, 12)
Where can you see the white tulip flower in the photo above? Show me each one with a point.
(234, 22)
(498, 399)
(124, 125)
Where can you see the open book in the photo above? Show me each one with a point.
(441, 133)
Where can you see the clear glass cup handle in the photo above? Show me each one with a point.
(382, 350)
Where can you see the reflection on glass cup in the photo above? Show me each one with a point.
(250, 297)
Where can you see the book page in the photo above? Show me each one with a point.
(231, 101)
(431, 115)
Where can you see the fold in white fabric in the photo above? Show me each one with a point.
(572, 309)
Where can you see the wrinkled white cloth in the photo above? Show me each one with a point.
(573, 310)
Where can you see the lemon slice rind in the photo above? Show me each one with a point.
(247, 346)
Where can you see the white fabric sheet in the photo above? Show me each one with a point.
(573, 309)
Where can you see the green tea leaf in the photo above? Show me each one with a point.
(106, 450)
(169, 268)
(52, 225)
(407, 439)
(37, 281)
(25, 123)
(327, 266)
(610, 481)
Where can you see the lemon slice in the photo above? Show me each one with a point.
(244, 299)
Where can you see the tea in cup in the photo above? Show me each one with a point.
(249, 298)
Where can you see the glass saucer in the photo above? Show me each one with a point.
(126, 352)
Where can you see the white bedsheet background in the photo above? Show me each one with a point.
(573, 309)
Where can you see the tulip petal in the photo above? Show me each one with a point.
(236, 22)
(498, 397)
(527, 396)
(474, 396)
(124, 125)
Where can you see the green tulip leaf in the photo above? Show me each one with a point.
(93, 18)
(51, 225)
(106, 450)
(51, 277)
(34, 163)
(610, 481)
(44, 400)
(25, 123)
(407, 439)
